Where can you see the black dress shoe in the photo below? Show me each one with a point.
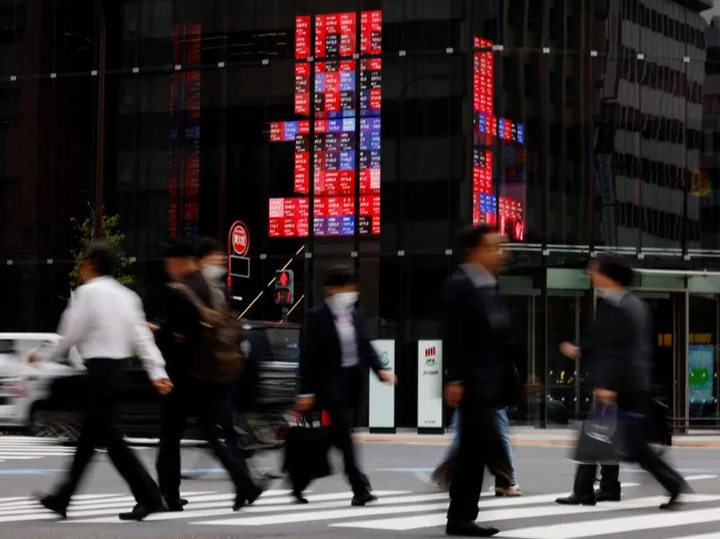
(603, 496)
(176, 506)
(242, 499)
(577, 500)
(52, 503)
(141, 512)
(359, 500)
(299, 498)
(468, 529)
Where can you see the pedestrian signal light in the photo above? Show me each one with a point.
(284, 287)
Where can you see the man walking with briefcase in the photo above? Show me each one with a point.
(617, 349)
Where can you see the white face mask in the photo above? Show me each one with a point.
(214, 273)
(345, 300)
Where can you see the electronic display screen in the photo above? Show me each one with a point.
(506, 211)
(341, 142)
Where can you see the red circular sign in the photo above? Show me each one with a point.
(239, 239)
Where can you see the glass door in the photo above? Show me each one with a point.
(669, 312)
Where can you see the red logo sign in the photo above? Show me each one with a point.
(430, 352)
(239, 239)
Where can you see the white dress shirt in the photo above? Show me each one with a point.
(345, 327)
(106, 320)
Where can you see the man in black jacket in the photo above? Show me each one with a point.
(334, 347)
(617, 349)
(478, 347)
(179, 337)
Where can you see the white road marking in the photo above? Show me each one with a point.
(623, 525)
(439, 519)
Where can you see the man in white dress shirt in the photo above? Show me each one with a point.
(106, 322)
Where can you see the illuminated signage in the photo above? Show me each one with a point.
(506, 211)
(336, 144)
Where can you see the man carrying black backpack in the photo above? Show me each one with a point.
(202, 349)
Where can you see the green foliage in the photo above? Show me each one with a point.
(85, 234)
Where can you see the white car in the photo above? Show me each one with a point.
(24, 387)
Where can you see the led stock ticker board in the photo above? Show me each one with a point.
(506, 208)
(340, 142)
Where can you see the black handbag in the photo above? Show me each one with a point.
(602, 437)
(306, 453)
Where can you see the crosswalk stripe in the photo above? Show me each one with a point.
(97, 502)
(622, 525)
(711, 535)
(269, 506)
(700, 477)
(103, 507)
(431, 521)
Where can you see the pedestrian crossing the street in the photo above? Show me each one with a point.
(18, 448)
(533, 516)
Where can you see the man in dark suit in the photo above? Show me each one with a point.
(479, 350)
(617, 349)
(179, 337)
(333, 350)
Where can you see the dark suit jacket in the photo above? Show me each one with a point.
(321, 368)
(615, 349)
(180, 333)
(478, 345)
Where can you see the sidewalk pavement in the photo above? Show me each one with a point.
(530, 437)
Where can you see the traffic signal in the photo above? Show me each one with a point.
(284, 287)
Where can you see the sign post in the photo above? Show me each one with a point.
(430, 387)
(381, 397)
(238, 248)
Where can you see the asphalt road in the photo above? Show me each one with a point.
(408, 505)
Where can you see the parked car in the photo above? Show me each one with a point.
(25, 387)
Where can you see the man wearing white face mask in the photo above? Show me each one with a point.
(213, 264)
(334, 347)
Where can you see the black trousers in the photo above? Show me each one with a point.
(101, 428)
(479, 445)
(585, 479)
(199, 399)
(342, 416)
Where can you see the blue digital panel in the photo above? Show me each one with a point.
(319, 83)
(348, 225)
(334, 225)
(487, 204)
(320, 226)
(348, 125)
(347, 160)
(347, 81)
(335, 126)
(370, 139)
(521, 133)
(192, 132)
(482, 123)
(370, 123)
(501, 128)
(290, 131)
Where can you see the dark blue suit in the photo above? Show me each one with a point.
(336, 388)
(479, 349)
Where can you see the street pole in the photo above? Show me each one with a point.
(100, 157)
